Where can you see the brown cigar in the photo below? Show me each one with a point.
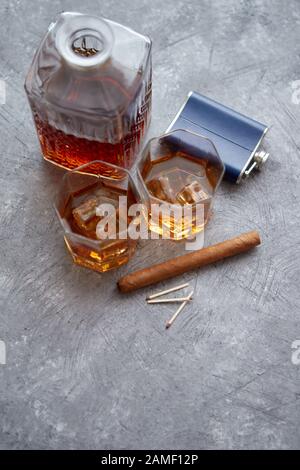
(182, 264)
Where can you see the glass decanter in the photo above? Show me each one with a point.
(89, 88)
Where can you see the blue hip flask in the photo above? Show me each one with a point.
(236, 137)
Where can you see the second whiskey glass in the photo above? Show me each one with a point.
(83, 192)
(178, 170)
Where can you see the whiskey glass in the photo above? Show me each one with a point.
(88, 199)
(179, 170)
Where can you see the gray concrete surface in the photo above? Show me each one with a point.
(88, 368)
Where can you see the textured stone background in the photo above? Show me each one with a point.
(88, 368)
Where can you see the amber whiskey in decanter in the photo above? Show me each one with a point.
(89, 88)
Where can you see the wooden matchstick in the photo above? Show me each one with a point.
(170, 300)
(163, 292)
(171, 321)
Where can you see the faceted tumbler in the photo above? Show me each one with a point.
(178, 175)
(92, 209)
